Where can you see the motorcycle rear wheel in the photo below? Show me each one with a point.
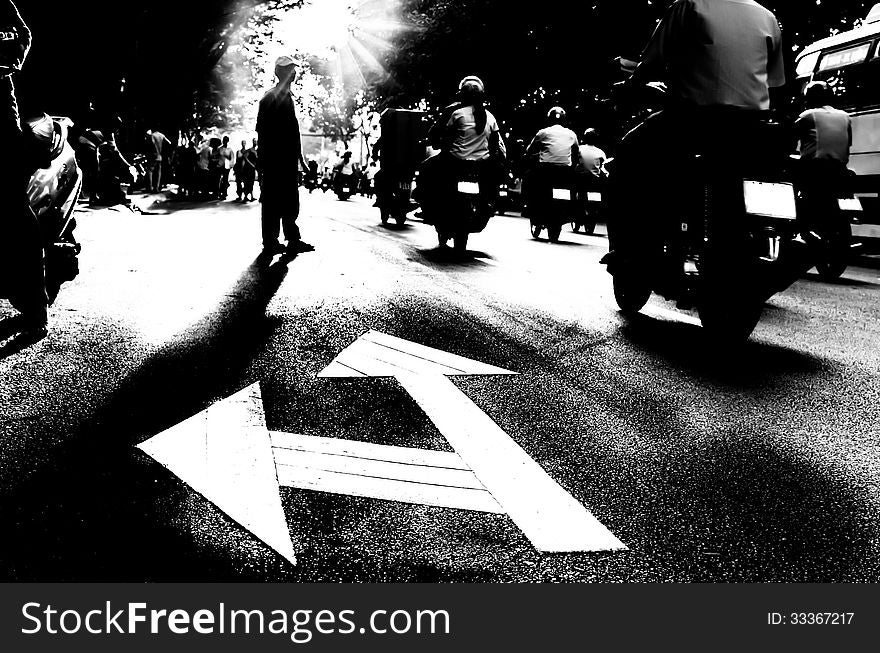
(553, 233)
(727, 320)
(384, 216)
(630, 292)
(461, 242)
(575, 227)
(536, 231)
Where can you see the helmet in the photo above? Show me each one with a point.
(556, 115)
(590, 137)
(472, 84)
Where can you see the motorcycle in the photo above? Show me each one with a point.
(53, 191)
(394, 194)
(509, 195)
(456, 202)
(731, 238)
(551, 200)
(828, 209)
(344, 186)
(591, 204)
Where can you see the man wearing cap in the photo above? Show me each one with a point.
(280, 156)
(19, 229)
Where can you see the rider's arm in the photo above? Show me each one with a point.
(659, 50)
(534, 147)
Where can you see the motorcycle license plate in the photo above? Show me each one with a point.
(594, 197)
(502, 193)
(346, 190)
(562, 194)
(850, 204)
(469, 187)
(772, 200)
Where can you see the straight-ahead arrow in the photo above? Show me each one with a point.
(549, 516)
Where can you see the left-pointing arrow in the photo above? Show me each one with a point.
(225, 454)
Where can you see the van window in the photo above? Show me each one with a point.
(843, 58)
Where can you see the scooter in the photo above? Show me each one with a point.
(734, 241)
(828, 208)
(458, 206)
(591, 204)
(53, 191)
(394, 193)
(551, 200)
(343, 186)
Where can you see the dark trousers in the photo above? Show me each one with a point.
(154, 176)
(279, 196)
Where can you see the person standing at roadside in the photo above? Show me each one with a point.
(21, 241)
(279, 158)
(227, 159)
(156, 142)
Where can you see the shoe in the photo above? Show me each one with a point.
(32, 331)
(271, 250)
(299, 247)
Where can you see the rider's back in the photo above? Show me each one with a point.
(719, 53)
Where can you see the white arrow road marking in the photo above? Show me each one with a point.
(224, 453)
(227, 454)
(549, 516)
(432, 478)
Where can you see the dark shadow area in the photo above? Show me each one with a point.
(449, 256)
(399, 228)
(772, 516)
(842, 281)
(744, 364)
(99, 508)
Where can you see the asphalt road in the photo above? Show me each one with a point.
(759, 463)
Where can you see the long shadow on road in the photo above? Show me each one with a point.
(94, 512)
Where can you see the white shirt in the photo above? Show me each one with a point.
(592, 160)
(718, 53)
(825, 133)
(555, 145)
(468, 144)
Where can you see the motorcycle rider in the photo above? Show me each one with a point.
(18, 224)
(343, 173)
(720, 59)
(591, 158)
(825, 137)
(465, 132)
(556, 150)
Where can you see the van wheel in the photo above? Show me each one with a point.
(630, 292)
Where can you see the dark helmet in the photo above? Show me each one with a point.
(471, 88)
(818, 94)
(556, 116)
(590, 137)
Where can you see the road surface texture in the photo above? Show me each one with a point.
(755, 463)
